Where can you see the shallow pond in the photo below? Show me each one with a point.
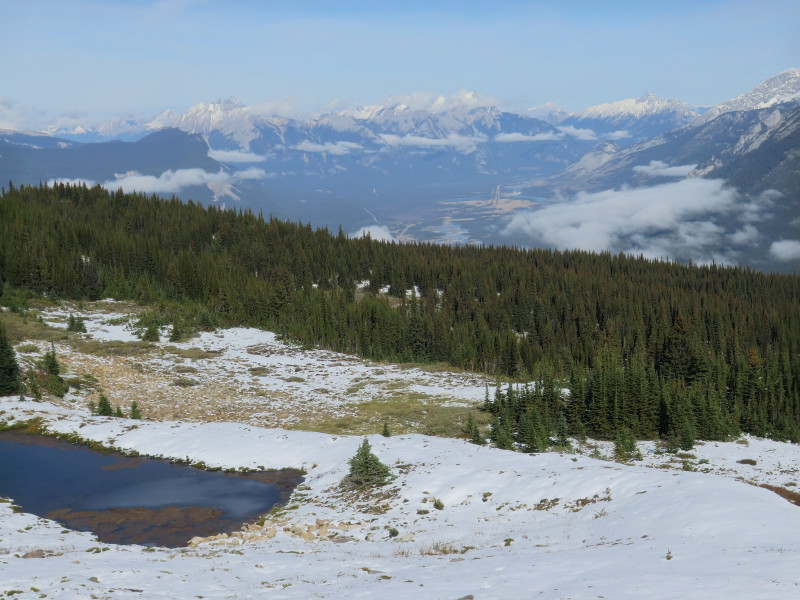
(127, 500)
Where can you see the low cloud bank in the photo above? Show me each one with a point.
(702, 220)
(235, 156)
(375, 232)
(169, 182)
(521, 137)
(657, 168)
(463, 143)
(578, 133)
(337, 148)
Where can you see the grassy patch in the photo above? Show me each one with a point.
(21, 327)
(82, 382)
(28, 348)
(184, 369)
(32, 426)
(111, 348)
(192, 353)
(259, 371)
(404, 413)
(185, 382)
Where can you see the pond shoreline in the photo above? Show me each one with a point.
(132, 499)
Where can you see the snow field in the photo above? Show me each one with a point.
(560, 526)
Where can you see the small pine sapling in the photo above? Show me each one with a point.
(104, 408)
(135, 413)
(366, 470)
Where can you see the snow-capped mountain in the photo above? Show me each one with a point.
(416, 160)
(633, 119)
(778, 89)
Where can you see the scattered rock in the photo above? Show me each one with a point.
(34, 554)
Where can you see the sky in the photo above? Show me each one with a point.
(118, 57)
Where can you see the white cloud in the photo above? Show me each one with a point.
(438, 103)
(72, 182)
(251, 173)
(521, 137)
(462, 143)
(747, 235)
(618, 135)
(686, 220)
(376, 232)
(785, 250)
(235, 156)
(338, 148)
(171, 182)
(578, 133)
(657, 168)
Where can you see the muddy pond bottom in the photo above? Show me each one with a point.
(126, 500)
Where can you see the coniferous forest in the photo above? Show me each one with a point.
(650, 348)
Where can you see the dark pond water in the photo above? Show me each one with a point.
(132, 500)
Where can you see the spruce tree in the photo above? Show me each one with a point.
(135, 412)
(104, 408)
(151, 334)
(624, 444)
(50, 363)
(501, 434)
(76, 324)
(366, 470)
(9, 369)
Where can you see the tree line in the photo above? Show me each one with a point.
(654, 347)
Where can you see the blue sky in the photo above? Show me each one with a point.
(92, 57)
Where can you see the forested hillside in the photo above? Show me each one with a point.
(657, 348)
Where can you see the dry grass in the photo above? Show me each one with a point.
(27, 328)
(191, 353)
(791, 496)
(443, 548)
(404, 413)
(111, 348)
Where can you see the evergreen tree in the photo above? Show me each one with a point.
(135, 413)
(151, 334)
(50, 363)
(104, 408)
(76, 324)
(474, 432)
(118, 412)
(501, 434)
(33, 385)
(385, 432)
(366, 470)
(624, 444)
(9, 369)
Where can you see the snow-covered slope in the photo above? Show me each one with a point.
(559, 526)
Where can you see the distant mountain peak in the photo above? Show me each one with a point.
(780, 88)
(648, 104)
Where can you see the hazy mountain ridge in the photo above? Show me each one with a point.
(424, 167)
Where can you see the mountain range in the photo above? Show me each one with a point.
(454, 170)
